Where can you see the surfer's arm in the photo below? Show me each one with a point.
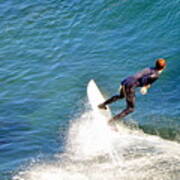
(147, 80)
(144, 89)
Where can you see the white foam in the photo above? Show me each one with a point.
(94, 152)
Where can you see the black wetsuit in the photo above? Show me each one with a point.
(143, 78)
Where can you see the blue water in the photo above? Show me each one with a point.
(49, 50)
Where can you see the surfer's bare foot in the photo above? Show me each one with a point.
(102, 106)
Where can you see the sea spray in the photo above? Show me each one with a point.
(90, 136)
(95, 151)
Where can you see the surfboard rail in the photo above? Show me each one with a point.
(95, 98)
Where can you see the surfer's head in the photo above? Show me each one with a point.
(160, 64)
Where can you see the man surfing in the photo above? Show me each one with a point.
(142, 79)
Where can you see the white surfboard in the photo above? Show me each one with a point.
(95, 98)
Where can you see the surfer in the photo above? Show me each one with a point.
(142, 79)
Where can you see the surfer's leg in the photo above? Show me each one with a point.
(109, 101)
(130, 100)
(112, 99)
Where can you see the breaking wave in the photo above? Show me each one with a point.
(95, 151)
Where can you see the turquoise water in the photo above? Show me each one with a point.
(48, 53)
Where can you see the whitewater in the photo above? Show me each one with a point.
(95, 151)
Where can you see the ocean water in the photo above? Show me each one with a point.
(49, 50)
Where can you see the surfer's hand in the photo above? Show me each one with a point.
(143, 90)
